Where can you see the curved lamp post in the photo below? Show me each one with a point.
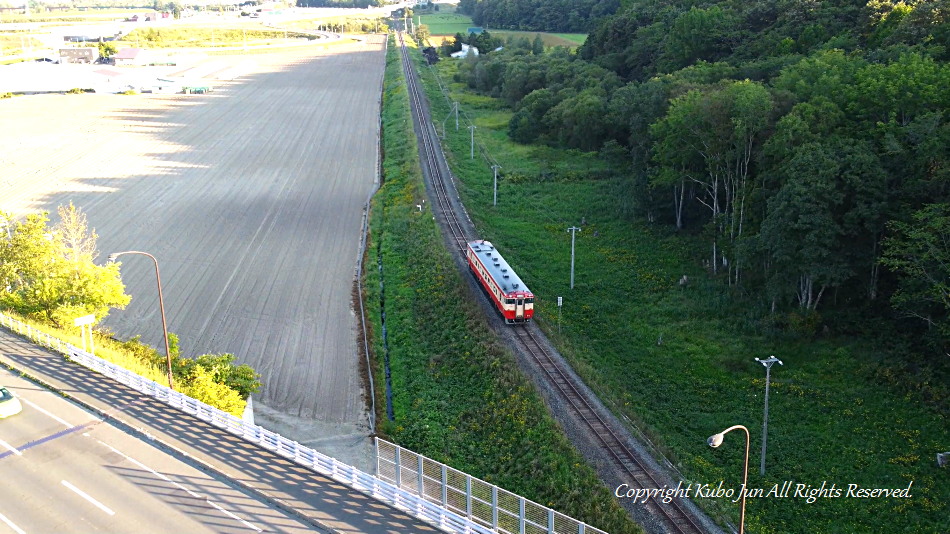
(161, 305)
(716, 440)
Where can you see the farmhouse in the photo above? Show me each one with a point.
(86, 54)
(128, 57)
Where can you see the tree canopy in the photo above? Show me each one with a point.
(538, 15)
(49, 274)
(808, 141)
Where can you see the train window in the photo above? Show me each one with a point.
(529, 301)
(509, 301)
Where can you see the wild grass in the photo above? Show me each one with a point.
(678, 360)
(458, 395)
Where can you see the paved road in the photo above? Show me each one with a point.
(321, 501)
(251, 199)
(67, 470)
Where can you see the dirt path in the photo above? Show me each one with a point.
(250, 197)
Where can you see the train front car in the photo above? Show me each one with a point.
(509, 294)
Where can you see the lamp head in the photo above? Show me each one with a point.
(112, 257)
(715, 440)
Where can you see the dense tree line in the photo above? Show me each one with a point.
(539, 15)
(809, 142)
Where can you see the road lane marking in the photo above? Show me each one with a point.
(50, 437)
(11, 448)
(35, 407)
(186, 490)
(10, 524)
(86, 496)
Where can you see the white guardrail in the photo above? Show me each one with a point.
(497, 509)
(377, 488)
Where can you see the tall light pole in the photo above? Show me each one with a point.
(716, 440)
(572, 230)
(472, 129)
(495, 198)
(768, 363)
(161, 306)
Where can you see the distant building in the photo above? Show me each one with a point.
(128, 57)
(86, 54)
(465, 51)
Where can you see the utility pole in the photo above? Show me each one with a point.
(472, 129)
(768, 363)
(572, 230)
(495, 168)
(456, 106)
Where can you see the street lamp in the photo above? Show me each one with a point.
(161, 306)
(716, 440)
(768, 363)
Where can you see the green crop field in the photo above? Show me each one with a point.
(447, 23)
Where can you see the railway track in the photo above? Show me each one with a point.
(432, 163)
(672, 515)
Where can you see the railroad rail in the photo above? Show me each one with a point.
(672, 515)
(432, 164)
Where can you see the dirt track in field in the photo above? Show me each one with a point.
(250, 197)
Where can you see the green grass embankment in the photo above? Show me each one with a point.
(458, 396)
(679, 360)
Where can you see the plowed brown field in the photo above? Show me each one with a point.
(251, 199)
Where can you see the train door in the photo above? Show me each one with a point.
(519, 309)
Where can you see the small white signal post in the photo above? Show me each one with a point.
(560, 300)
(82, 322)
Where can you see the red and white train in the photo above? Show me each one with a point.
(508, 292)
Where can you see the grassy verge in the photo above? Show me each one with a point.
(105, 347)
(678, 360)
(458, 395)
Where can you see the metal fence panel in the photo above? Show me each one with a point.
(483, 503)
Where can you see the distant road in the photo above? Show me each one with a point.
(66, 470)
